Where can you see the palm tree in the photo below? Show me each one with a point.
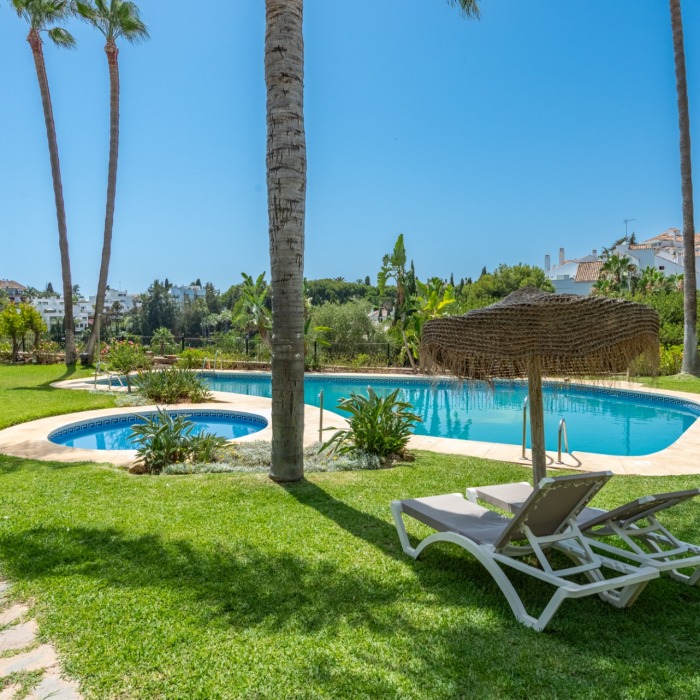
(114, 19)
(41, 15)
(620, 271)
(251, 311)
(286, 198)
(691, 360)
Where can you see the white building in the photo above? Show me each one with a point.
(663, 252)
(122, 297)
(186, 294)
(52, 310)
(573, 276)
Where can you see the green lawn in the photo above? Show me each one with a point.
(230, 586)
(676, 382)
(26, 394)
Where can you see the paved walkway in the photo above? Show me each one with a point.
(21, 653)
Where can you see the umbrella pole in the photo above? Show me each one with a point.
(534, 391)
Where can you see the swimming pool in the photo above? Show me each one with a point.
(114, 432)
(606, 421)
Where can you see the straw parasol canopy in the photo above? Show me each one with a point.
(531, 333)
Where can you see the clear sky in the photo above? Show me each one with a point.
(541, 126)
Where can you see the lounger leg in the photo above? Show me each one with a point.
(502, 581)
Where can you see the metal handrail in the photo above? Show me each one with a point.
(110, 375)
(320, 416)
(527, 399)
(562, 431)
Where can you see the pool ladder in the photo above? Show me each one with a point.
(562, 436)
(206, 361)
(110, 375)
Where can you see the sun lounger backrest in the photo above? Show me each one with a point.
(641, 508)
(550, 505)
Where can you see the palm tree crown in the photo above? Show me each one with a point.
(115, 19)
(41, 14)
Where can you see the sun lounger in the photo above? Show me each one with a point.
(547, 519)
(649, 544)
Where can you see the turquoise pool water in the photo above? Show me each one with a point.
(599, 420)
(114, 432)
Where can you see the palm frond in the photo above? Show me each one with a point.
(469, 8)
(62, 37)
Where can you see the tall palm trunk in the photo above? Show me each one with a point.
(691, 362)
(35, 42)
(286, 194)
(113, 63)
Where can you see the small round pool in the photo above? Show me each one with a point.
(114, 432)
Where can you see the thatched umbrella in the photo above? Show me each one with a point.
(531, 333)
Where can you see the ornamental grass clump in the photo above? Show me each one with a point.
(379, 425)
(164, 439)
(172, 385)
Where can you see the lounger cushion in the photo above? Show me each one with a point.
(453, 513)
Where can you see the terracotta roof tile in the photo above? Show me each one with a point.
(588, 271)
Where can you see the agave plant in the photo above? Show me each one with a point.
(164, 439)
(379, 425)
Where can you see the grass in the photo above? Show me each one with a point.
(26, 394)
(675, 382)
(231, 586)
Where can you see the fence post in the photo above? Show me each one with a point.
(315, 353)
(388, 355)
(182, 343)
(247, 347)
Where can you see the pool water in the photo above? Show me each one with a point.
(605, 421)
(114, 433)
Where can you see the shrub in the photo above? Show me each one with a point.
(126, 356)
(165, 439)
(46, 352)
(670, 360)
(192, 358)
(378, 425)
(172, 385)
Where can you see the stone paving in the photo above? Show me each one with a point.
(19, 653)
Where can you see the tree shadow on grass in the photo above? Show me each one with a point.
(442, 616)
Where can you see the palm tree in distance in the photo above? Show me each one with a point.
(42, 15)
(691, 360)
(114, 19)
(286, 202)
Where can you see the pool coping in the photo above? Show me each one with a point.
(680, 458)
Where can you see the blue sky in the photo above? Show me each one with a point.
(542, 126)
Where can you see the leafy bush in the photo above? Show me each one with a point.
(192, 358)
(5, 352)
(165, 439)
(126, 356)
(378, 425)
(46, 352)
(172, 385)
(671, 360)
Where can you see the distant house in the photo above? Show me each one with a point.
(573, 276)
(15, 291)
(663, 252)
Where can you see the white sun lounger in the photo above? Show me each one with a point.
(547, 519)
(649, 544)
